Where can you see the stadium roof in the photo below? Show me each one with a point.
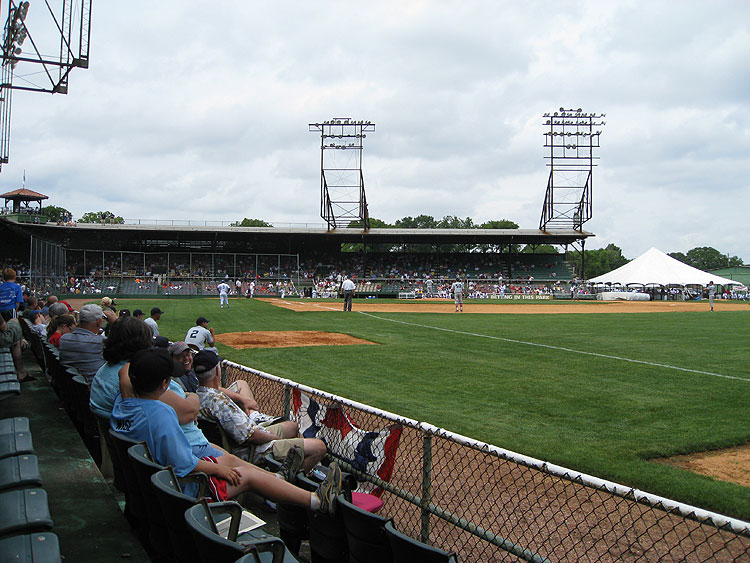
(415, 236)
(201, 238)
(24, 194)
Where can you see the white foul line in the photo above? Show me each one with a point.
(654, 364)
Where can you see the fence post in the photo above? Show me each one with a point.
(287, 401)
(426, 486)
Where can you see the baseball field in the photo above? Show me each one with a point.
(631, 392)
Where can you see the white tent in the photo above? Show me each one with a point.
(655, 267)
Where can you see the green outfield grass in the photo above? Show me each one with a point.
(599, 415)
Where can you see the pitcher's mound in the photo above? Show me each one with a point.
(287, 339)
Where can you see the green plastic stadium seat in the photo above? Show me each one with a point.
(41, 547)
(13, 425)
(15, 444)
(8, 377)
(7, 367)
(173, 504)
(10, 388)
(365, 534)
(19, 471)
(212, 547)
(135, 508)
(23, 511)
(143, 467)
(407, 550)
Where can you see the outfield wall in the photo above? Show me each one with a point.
(490, 504)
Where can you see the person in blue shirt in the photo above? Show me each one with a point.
(143, 417)
(11, 294)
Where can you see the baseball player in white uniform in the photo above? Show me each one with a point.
(458, 294)
(201, 336)
(223, 289)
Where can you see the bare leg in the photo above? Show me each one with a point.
(15, 352)
(315, 450)
(264, 483)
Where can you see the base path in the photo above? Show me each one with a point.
(511, 307)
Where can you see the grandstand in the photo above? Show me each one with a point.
(143, 260)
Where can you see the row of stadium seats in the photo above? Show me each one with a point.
(25, 521)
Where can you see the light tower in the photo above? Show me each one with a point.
(342, 184)
(571, 137)
(70, 26)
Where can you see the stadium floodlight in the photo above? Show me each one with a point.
(567, 202)
(342, 187)
(73, 22)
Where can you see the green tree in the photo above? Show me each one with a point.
(250, 223)
(499, 224)
(101, 217)
(539, 249)
(55, 213)
(601, 261)
(453, 222)
(418, 222)
(708, 258)
(678, 256)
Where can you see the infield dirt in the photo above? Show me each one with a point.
(543, 308)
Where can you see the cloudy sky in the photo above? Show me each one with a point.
(195, 110)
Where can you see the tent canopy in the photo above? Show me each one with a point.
(655, 267)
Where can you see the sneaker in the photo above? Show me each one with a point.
(292, 464)
(329, 489)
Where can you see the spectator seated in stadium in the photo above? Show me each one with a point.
(241, 394)
(60, 324)
(140, 415)
(245, 429)
(51, 300)
(200, 337)
(82, 348)
(11, 337)
(33, 313)
(138, 314)
(127, 336)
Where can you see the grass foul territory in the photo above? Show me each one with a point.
(599, 393)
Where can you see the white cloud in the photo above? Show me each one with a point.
(202, 113)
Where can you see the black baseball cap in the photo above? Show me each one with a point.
(156, 311)
(201, 320)
(149, 367)
(205, 360)
(137, 313)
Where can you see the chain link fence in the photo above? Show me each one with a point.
(490, 504)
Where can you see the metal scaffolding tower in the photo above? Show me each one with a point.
(571, 138)
(342, 184)
(71, 25)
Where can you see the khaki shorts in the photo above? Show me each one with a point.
(281, 447)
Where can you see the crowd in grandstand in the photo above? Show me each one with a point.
(485, 275)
